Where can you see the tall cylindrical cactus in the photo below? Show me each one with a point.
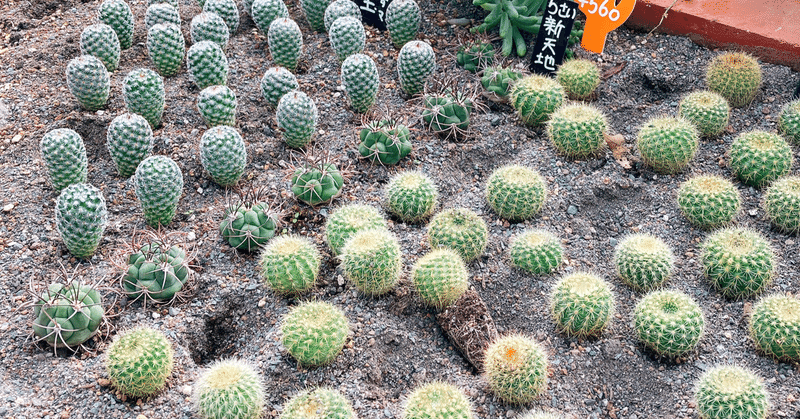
(81, 218)
(101, 41)
(297, 116)
(402, 20)
(166, 47)
(207, 64)
(265, 11)
(143, 92)
(315, 13)
(158, 185)
(89, 82)
(285, 42)
(209, 26)
(118, 15)
(129, 140)
(223, 154)
(64, 155)
(361, 80)
(415, 63)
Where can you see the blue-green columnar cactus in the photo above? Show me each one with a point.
(265, 11)
(207, 64)
(223, 154)
(347, 36)
(229, 389)
(738, 262)
(314, 332)
(64, 156)
(81, 218)
(285, 42)
(361, 81)
(774, 326)
(322, 403)
(89, 81)
(67, 315)
(166, 47)
(297, 116)
(385, 141)
(581, 304)
(129, 140)
(118, 15)
(315, 13)
(731, 392)
(403, 18)
(159, 184)
(340, 8)
(227, 10)
(515, 192)
(217, 105)
(415, 63)
(516, 369)
(139, 361)
(411, 196)
(277, 81)
(209, 26)
(668, 322)
(437, 400)
(101, 41)
(143, 92)
(759, 157)
(290, 264)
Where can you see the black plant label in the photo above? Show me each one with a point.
(551, 42)
(373, 12)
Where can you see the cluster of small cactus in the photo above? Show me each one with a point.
(440, 277)
(285, 42)
(415, 63)
(385, 141)
(322, 402)
(340, 8)
(411, 196)
(371, 260)
(668, 322)
(475, 56)
(156, 271)
(774, 326)
(223, 154)
(101, 41)
(227, 10)
(64, 155)
(207, 64)
(230, 389)
(277, 81)
(143, 92)
(498, 80)
(89, 82)
(347, 36)
(161, 13)
(516, 369)
(67, 315)
(536, 97)
(447, 114)
(217, 105)
(579, 78)
(759, 157)
(290, 264)
(81, 218)
(515, 192)
(437, 400)
(729, 391)
(789, 122)
(577, 130)
(361, 80)
(166, 47)
(296, 114)
(139, 361)
(643, 261)
(581, 304)
(317, 182)
(738, 262)
(782, 204)
(208, 26)
(403, 18)
(314, 333)
(536, 251)
(736, 76)
(129, 140)
(707, 110)
(667, 144)
(248, 224)
(158, 185)
(264, 12)
(117, 14)
(347, 220)
(709, 201)
(459, 229)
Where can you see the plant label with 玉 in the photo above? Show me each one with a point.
(373, 12)
(553, 36)
(602, 17)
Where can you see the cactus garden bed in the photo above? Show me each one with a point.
(395, 343)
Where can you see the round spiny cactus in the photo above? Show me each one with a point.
(223, 154)
(139, 361)
(322, 403)
(708, 111)
(156, 271)
(739, 262)
(166, 47)
(347, 36)
(498, 80)
(403, 18)
(643, 261)
(208, 26)
(667, 144)
(516, 369)
(361, 81)
(459, 229)
(207, 64)
(249, 224)
(227, 10)
(541, 414)
(217, 105)
(290, 264)
(789, 121)
(536, 97)
(159, 184)
(437, 400)
(101, 41)
(730, 392)
(415, 62)
(668, 322)
(81, 218)
(285, 42)
(317, 183)
(89, 82)
(229, 389)
(736, 76)
(709, 201)
(277, 81)
(782, 204)
(515, 192)
(340, 8)
(143, 92)
(774, 326)
(66, 316)
(64, 156)
(447, 114)
(759, 157)
(265, 11)
(579, 78)
(577, 130)
(348, 220)
(581, 304)
(296, 114)
(475, 56)
(118, 15)
(440, 277)
(411, 196)
(371, 260)
(536, 251)
(385, 141)
(314, 332)
(129, 140)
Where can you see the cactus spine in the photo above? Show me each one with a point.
(385, 141)
(249, 224)
(535, 98)
(67, 315)
(577, 130)
(707, 110)
(81, 218)
(579, 78)
(156, 271)
(64, 156)
(789, 122)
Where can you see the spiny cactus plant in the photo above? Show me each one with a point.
(314, 332)
(360, 79)
(223, 154)
(536, 251)
(459, 229)
(296, 114)
(340, 8)
(217, 105)
(515, 192)
(541, 414)
(577, 130)
(166, 47)
(81, 218)
(315, 13)
(250, 222)
(227, 10)
(277, 81)
(729, 391)
(285, 42)
(782, 204)
(347, 36)
(667, 144)
(118, 15)
(89, 82)
(440, 277)
(317, 181)
(738, 262)
(535, 98)
(475, 56)
(348, 220)
(736, 76)
(579, 78)
(709, 201)
(139, 361)
(290, 264)
(708, 111)
(411, 196)
(437, 400)
(403, 18)
(774, 326)
(516, 369)
(67, 315)
(265, 11)
(385, 141)
(101, 41)
(143, 92)
(322, 402)
(581, 304)
(173, 3)
(161, 13)
(447, 114)
(64, 156)
(789, 122)
(415, 63)
(498, 81)
(759, 157)
(668, 322)
(159, 184)
(156, 270)
(207, 64)
(643, 261)
(229, 389)
(129, 140)
(209, 26)
(371, 260)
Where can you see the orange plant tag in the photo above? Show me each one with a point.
(602, 17)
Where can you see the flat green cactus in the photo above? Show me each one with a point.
(157, 271)
(385, 141)
(248, 224)
(317, 182)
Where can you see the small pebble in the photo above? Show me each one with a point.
(572, 210)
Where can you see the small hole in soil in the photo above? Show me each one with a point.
(216, 338)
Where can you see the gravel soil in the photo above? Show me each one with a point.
(396, 342)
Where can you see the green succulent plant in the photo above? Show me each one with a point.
(277, 81)
(515, 192)
(158, 184)
(581, 304)
(667, 144)
(774, 326)
(340, 8)
(156, 271)
(290, 264)
(143, 92)
(118, 15)
(315, 13)
(64, 156)
(415, 63)
(475, 56)
(668, 322)
(541, 414)
(499, 80)
(736, 76)
(759, 157)
(579, 78)
(223, 154)
(385, 141)
(217, 105)
(782, 204)
(81, 218)
(314, 332)
(248, 224)
(577, 130)
(161, 13)
(101, 41)
(88, 80)
(789, 121)
(536, 251)
(403, 18)
(738, 262)
(459, 229)
(166, 48)
(264, 12)
(349, 219)
(535, 98)
(361, 81)
(440, 277)
(347, 36)
(67, 315)
(129, 140)
(447, 114)
(411, 196)
(317, 183)
(207, 64)
(707, 110)
(321, 403)
(643, 261)
(209, 26)
(285, 42)
(229, 389)
(709, 201)
(371, 260)
(516, 369)
(728, 392)
(139, 361)
(227, 10)
(297, 116)
(437, 400)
